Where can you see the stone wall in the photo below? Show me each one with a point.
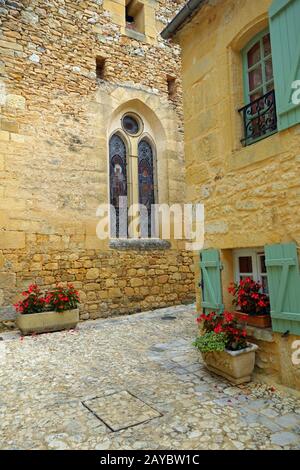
(56, 115)
(251, 194)
(274, 358)
(109, 283)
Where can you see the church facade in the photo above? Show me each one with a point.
(90, 98)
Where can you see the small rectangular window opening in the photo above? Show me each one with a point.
(134, 16)
(171, 82)
(100, 68)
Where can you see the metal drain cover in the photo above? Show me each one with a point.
(121, 410)
(168, 318)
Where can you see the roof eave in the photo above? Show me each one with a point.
(189, 9)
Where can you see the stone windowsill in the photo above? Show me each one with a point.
(135, 34)
(140, 244)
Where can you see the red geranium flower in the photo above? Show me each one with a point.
(218, 329)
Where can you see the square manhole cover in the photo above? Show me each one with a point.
(121, 410)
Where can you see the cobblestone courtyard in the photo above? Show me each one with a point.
(133, 383)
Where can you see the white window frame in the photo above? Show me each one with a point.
(255, 254)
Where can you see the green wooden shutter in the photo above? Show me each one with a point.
(211, 280)
(284, 27)
(284, 287)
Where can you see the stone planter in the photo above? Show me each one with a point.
(45, 322)
(235, 366)
(259, 321)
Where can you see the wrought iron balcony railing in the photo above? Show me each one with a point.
(260, 118)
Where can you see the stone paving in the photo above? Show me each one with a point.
(133, 382)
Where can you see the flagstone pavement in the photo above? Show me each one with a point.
(133, 382)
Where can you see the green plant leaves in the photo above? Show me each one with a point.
(211, 341)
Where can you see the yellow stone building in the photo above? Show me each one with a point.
(241, 73)
(85, 87)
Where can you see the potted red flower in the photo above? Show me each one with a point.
(54, 310)
(224, 347)
(253, 306)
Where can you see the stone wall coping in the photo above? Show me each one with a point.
(140, 244)
(7, 313)
(262, 334)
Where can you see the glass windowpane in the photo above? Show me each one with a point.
(117, 176)
(244, 277)
(255, 78)
(255, 96)
(267, 45)
(254, 55)
(146, 178)
(263, 268)
(269, 69)
(265, 287)
(245, 264)
(131, 125)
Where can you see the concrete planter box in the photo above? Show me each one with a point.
(45, 322)
(259, 321)
(235, 366)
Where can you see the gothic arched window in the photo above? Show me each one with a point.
(117, 177)
(146, 178)
(132, 179)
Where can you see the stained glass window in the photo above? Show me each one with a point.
(118, 177)
(130, 124)
(146, 178)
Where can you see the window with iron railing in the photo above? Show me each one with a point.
(259, 118)
(259, 114)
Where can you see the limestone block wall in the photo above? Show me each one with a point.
(274, 358)
(110, 283)
(55, 119)
(250, 193)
